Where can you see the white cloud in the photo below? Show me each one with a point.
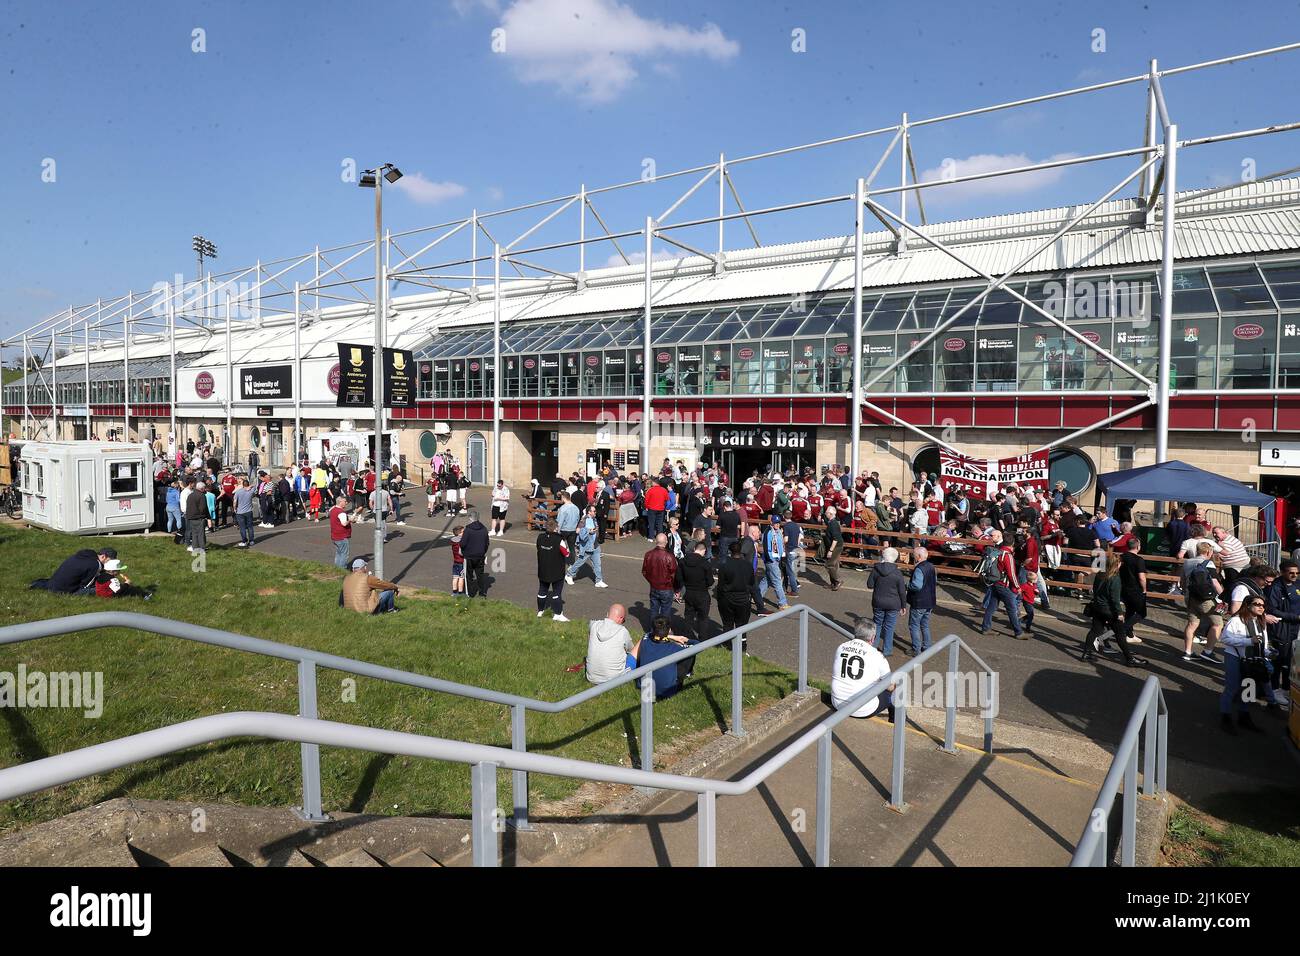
(588, 48)
(424, 190)
(496, 193)
(996, 186)
(660, 255)
(466, 7)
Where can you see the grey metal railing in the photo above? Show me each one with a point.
(485, 760)
(309, 660)
(1151, 715)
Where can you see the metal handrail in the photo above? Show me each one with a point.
(1150, 712)
(485, 759)
(309, 660)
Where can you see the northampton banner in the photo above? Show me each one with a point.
(983, 478)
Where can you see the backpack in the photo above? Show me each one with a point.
(990, 566)
(1199, 586)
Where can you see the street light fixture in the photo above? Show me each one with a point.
(374, 179)
(205, 250)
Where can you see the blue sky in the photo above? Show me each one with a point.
(245, 142)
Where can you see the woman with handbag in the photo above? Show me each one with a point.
(1245, 658)
(1107, 612)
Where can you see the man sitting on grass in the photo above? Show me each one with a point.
(367, 594)
(657, 645)
(77, 574)
(610, 651)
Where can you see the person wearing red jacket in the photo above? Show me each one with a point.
(226, 500)
(656, 504)
(659, 568)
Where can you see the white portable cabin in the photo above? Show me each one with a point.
(357, 447)
(87, 487)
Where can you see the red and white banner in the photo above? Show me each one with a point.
(982, 478)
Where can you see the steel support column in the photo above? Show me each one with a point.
(496, 362)
(855, 404)
(1164, 366)
(173, 439)
(647, 369)
(297, 375)
(126, 371)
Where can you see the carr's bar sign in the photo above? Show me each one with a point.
(983, 478)
(267, 381)
(796, 438)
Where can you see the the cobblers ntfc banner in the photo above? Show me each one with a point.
(982, 478)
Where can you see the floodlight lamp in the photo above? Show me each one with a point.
(368, 179)
(393, 174)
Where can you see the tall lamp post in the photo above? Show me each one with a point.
(374, 179)
(204, 249)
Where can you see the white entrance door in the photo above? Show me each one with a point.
(86, 499)
(477, 449)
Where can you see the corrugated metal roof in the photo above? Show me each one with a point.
(1251, 219)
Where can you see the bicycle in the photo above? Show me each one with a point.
(11, 501)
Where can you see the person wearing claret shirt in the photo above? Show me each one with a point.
(656, 506)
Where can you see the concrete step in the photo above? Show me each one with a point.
(208, 855)
(414, 858)
(963, 809)
(114, 854)
(356, 857)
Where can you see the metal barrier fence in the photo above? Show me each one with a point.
(485, 760)
(1151, 715)
(309, 660)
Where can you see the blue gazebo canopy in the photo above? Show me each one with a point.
(1179, 481)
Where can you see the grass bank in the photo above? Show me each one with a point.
(1250, 828)
(152, 681)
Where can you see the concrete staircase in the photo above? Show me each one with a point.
(1024, 805)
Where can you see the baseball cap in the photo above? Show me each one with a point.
(114, 565)
(776, 519)
(358, 564)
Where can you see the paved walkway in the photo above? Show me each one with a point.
(1043, 684)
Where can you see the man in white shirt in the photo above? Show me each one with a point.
(869, 495)
(500, 502)
(610, 650)
(857, 666)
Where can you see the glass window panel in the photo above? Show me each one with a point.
(1136, 343)
(674, 334)
(1285, 283)
(776, 367)
(550, 375)
(877, 353)
(489, 370)
(510, 376)
(442, 378)
(474, 371)
(839, 365)
(700, 332)
(822, 319)
(1192, 295)
(761, 320)
(530, 376)
(928, 308)
(995, 360)
(889, 313)
(458, 372)
(809, 365)
(689, 361)
(717, 369)
(916, 374)
(599, 340)
(570, 363)
(616, 373)
(629, 336)
(635, 371)
(1192, 349)
(1246, 349)
(1241, 290)
(784, 328)
(728, 331)
(665, 371)
(956, 361)
(591, 362)
(1288, 371)
(1049, 294)
(747, 367)
(999, 307)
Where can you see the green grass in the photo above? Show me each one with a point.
(152, 681)
(1253, 828)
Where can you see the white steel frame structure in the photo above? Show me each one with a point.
(299, 290)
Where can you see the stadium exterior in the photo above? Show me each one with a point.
(1119, 332)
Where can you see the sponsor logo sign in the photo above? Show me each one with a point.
(1248, 331)
(205, 386)
(952, 345)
